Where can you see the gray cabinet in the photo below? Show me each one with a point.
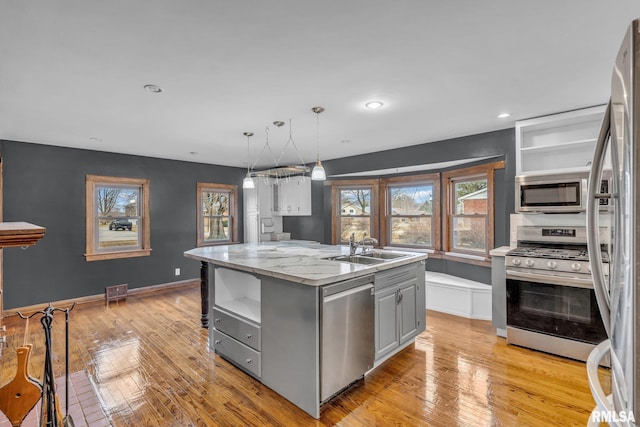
(499, 295)
(239, 354)
(237, 340)
(236, 333)
(408, 316)
(400, 307)
(386, 324)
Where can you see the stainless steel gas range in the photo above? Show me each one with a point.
(551, 304)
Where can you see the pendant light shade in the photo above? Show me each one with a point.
(247, 182)
(318, 173)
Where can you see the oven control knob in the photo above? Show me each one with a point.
(529, 263)
(516, 261)
(576, 266)
(589, 268)
(552, 265)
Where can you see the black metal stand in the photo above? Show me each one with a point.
(50, 409)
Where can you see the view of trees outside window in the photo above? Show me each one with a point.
(117, 217)
(355, 213)
(216, 215)
(411, 215)
(471, 215)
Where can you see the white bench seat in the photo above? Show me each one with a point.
(458, 296)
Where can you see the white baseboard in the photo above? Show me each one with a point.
(458, 296)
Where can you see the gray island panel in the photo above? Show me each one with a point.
(291, 342)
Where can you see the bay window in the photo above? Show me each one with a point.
(411, 214)
(355, 210)
(468, 201)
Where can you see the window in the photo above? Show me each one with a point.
(412, 211)
(217, 207)
(355, 209)
(470, 215)
(117, 217)
(449, 214)
(468, 206)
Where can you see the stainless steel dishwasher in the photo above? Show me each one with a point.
(347, 334)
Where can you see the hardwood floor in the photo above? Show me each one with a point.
(149, 361)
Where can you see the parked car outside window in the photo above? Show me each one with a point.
(120, 224)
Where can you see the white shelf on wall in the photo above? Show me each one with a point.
(557, 143)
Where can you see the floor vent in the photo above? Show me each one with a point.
(116, 292)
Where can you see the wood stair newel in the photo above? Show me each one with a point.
(15, 234)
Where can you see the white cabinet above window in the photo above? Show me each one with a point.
(559, 142)
(292, 197)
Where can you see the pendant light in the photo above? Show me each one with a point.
(247, 182)
(318, 173)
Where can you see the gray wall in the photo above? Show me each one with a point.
(45, 185)
(499, 143)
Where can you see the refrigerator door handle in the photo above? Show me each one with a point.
(593, 204)
(603, 403)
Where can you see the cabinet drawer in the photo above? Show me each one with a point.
(240, 329)
(239, 354)
(396, 275)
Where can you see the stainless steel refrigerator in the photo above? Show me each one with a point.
(618, 297)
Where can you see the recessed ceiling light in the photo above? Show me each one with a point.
(193, 153)
(95, 139)
(153, 88)
(504, 115)
(374, 105)
(345, 141)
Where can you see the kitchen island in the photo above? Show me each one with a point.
(305, 323)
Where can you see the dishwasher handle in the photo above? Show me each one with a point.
(348, 292)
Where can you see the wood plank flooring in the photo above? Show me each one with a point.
(150, 363)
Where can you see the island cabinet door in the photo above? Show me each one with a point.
(386, 327)
(407, 316)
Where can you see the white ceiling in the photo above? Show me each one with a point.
(72, 72)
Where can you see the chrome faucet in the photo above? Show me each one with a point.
(353, 245)
(367, 244)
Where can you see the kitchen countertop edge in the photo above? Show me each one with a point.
(278, 261)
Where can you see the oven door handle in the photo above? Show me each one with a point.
(575, 282)
(593, 204)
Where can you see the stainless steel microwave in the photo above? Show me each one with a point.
(557, 193)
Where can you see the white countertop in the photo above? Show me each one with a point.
(296, 261)
(501, 251)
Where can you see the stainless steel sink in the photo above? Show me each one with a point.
(356, 259)
(385, 255)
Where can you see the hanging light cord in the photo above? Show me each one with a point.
(266, 146)
(248, 135)
(318, 136)
(292, 143)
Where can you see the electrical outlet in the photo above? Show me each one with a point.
(177, 271)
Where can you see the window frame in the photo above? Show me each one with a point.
(432, 179)
(233, 212)
(449, 179)
(91, 184)
(336, 187)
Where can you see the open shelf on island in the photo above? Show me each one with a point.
(238, 293)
